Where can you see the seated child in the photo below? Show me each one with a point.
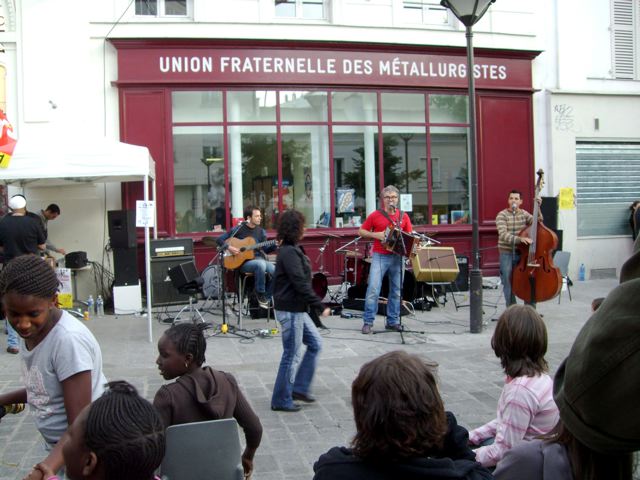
(403, 431)
(118, 437)
(526, 408)
(61, 359)
(201, 393)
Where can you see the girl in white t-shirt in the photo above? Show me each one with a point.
(61, 359)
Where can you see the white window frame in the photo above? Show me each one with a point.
(625, 36)
(299, 9)
(161, 11)
(426, 8)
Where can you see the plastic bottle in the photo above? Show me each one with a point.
(582, 272)
(90, 305)
(100, 306)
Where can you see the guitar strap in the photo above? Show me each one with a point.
(397, 224)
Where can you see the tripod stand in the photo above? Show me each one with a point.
(401, 329)
(225, 328)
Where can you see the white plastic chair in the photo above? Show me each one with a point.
(561, 260)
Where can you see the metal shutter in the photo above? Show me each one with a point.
(608, 181)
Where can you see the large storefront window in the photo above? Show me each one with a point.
(278, 151)
(449, 175)
(198, 166)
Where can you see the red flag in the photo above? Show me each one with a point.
(7, 141)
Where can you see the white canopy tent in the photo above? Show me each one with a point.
(52, 161)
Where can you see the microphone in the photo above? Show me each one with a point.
(514, 206)
(392, 206)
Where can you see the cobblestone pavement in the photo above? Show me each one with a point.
(469, 373)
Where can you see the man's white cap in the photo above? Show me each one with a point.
(16, 202)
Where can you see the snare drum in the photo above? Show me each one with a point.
(211, 281)
(320, 284)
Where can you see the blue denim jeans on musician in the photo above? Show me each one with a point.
(382, 264)
(507, 261)
(296, 370)
(260, 267)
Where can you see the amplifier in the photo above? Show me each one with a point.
(76, 260)
(435, 264)
(171, 247)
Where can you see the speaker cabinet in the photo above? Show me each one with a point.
(462, 280)
(183, 274)
(163, 292)
(549, 209)
(125, 266)
(435, 264)
(122, 228)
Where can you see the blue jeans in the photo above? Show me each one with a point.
(296, 371)
(12, 336)
(507, 261)
(260, 267)
(382, 264)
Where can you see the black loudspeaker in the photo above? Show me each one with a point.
(462, 280)
(125, 266)
(549, 209)
(162, 290)
(76, 260)
(122, 228)
(183, 274)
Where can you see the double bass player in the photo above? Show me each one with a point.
(510, 222)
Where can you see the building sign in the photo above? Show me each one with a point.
(327, 67)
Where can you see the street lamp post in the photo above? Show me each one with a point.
(469, 12)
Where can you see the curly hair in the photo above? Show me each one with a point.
(397, 408)
(29, 275)
(290, 227)
(125, 432)
(520, 342)
(189, 338)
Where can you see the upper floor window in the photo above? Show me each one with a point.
(162, 8)
(625, 19)
(425, 12)
(306, 9)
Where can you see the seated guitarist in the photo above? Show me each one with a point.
(384, 261)
(261, 268)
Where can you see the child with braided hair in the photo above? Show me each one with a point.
(201, 393)
(61, 359)
(118, 437)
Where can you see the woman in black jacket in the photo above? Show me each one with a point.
(293, 297)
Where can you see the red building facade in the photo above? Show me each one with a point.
(322, 128)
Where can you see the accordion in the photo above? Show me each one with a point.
(399, 242)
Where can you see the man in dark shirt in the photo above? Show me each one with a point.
(261, 268)
(20, 234)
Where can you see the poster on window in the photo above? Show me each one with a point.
(345, 200)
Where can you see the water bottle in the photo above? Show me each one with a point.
(90, 306)
(100, 306)
(582, 272)
(12, 408)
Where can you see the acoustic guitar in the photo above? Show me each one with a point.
(246, 247)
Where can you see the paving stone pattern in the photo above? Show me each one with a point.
(469, 373)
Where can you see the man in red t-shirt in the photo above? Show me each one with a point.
(383, 261)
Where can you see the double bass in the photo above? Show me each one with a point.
(536, 278)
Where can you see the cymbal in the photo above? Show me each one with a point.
(209, 241)
(350, 253)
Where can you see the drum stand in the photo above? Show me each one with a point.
(339, 295)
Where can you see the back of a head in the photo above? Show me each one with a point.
(596, 387)
(29, 275)
(520, 341)
(126, 433)
(290, 226)
(189, 338)
(397, 408)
